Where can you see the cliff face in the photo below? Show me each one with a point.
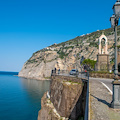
(48, 112)
(66, 55)
(65, 99)
(39, 66)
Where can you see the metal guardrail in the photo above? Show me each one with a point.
(86, 116)
(66, 72)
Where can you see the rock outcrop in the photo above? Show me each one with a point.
(66, 99)
(39, 66)
(48, 112)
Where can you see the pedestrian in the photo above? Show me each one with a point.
(55, 70)
(59, 71)
(86, 72)
(52, 73)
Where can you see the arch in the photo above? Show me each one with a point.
(105, 38)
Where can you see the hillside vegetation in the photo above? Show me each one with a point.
(67, 55)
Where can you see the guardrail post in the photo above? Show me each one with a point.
(86, 117)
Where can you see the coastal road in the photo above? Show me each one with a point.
(106, 82)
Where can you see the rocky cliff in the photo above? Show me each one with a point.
(66, 55)
(66, 99)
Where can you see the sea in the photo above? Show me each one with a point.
(20, 98)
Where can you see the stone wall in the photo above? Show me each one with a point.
(102, 62)
(101, 75)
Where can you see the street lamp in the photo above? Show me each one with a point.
(112, 20)
(116, 84)
(116, 8)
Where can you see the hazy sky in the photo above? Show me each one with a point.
(30, 25)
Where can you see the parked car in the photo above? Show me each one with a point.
(74, 72)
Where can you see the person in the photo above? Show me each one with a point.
(55, 70)
(52, 73)
(86, 72)
(59, 71)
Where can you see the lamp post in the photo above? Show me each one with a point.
(116, 84)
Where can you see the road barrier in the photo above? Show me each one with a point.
(87, 116)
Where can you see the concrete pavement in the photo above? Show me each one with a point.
(100, 99)
(105, 81)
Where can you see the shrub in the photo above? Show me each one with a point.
(90, 63)
(62, 54)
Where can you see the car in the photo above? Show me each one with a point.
(74, 72)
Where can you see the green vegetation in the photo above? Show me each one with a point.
(32, 61)
(69, 47)
(62, 54)
(112, 62)
(93, 44)
(50, 112)
(47, 78)
(64, 48)
(51, 60)
(90, 63)
(118, 46)
(70, 51)
(37, 64)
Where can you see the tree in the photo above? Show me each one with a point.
(90, 64)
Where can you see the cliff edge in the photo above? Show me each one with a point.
(66, 99)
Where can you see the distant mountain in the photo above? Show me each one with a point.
(67, 55)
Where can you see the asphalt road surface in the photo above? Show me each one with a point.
(106, 81)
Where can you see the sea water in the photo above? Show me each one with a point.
(20, 98)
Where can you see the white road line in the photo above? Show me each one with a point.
(107, 88)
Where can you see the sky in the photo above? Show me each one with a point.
(27, 26)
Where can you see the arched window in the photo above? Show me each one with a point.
(103, 44)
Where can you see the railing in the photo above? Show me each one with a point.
(66, 72)
(86, 116)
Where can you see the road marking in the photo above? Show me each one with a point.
(107, 88)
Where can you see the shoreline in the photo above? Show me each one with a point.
(33, 78)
